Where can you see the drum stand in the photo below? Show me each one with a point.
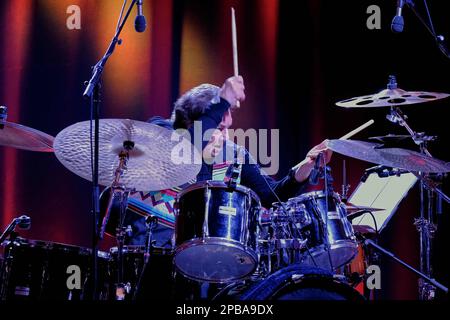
(151, 222)
(429, 186)
(120, 193)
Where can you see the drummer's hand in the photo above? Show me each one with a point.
(322, 147)
(233, 90)
(304, 168)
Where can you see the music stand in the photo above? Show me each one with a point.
(383, 191)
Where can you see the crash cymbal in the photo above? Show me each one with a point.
(150, 166)
(25, 138)
(390, 157)
(391, 98)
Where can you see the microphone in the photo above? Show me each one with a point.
(139, 23)
(24, 222)
(398, 22)
(315, 173)
(354, 215)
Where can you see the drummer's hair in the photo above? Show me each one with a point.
(191, 105)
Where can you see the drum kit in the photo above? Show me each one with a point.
(223, 236)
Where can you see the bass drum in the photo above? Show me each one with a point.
(296, 282)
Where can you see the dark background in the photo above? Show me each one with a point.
(297, 57)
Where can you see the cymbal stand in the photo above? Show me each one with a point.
(429, 189)
(151, 223)
(119, 193)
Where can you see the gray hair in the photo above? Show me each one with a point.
(191, 105)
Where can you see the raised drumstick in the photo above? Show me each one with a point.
(235, 50)
(357, 130)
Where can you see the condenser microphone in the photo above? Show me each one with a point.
(398, 21)
(139, 23)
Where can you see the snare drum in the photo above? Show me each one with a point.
(215, 232)
(331, 240)
(43, 270)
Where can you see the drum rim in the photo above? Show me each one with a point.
(317, 250)
(327, 281)
(52, 245)
(312, 194)
(215, 240)
(218, 184)
(293, 276)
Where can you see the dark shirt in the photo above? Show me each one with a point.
(252, 176)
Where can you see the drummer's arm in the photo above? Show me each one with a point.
(231, 91)
(265, 186)
(304, 168)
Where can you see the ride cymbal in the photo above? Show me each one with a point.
(150, 165)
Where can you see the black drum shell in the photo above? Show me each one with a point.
(38, 270)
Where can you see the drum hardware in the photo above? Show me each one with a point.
(383, 172)
(119, 193)
(345, 185)
(150, 223)
(425, 223)
(433, 282)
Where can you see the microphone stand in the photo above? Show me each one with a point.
(92, 92)
(371, 243)
(438, 38)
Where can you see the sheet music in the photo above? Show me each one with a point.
(384, 193)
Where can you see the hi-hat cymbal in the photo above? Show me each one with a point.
(390, 157)
(25, 138)
(391, 98)
(151, 165)
(390, 138)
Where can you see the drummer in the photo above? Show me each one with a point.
(212, 107)
(195, 105)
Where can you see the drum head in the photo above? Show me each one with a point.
(215, 260)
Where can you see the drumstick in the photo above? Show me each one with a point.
(345, 137)
(235, 50)
(357, 130)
